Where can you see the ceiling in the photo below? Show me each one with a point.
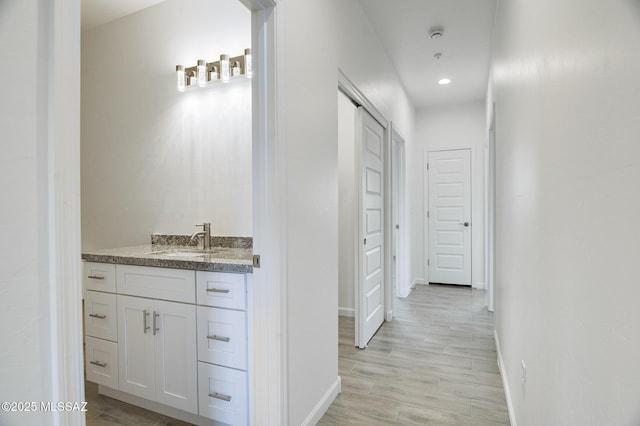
(98, 12)
(403, 28)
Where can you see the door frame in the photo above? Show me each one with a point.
(268, 398)
(425, 229)
(490, 211)
(346, 86)
(398, 196)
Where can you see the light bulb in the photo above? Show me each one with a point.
(444, 81)
(213, 74)
(180, 78)
(224, 68)
(248, 66)
(235, 71)
(202, 73)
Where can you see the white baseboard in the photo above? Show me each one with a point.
(389, 316)
(505, 382)
(325, 402)
(417, 281)
(347, 312)
(479, 286)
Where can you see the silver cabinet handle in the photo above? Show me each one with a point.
(222, 339)
(98, 363)
(155, 327)
(95, 277)
(217, 290)
(220, 396)
(97, 316)
(145, 327)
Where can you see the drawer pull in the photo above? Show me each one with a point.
(217, 290)
(95, 277)
(98, 363)
(222, 339)
(97, 316)
(220, 396)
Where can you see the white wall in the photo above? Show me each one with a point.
(155, 159)
(444, 127)
(317, 38)
(348, 204)
(568, 173)
(27, 352)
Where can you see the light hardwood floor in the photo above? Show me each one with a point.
(434, 363)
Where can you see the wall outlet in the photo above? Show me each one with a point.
(524, 373)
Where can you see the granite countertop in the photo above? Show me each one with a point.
(236, 258)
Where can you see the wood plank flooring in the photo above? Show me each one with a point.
(433, 364)
(105, 411)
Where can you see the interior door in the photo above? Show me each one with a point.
(369, 298)
(450, 216)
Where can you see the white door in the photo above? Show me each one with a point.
(369, 299)
(174, 328)
(136, 346)
(450, 216)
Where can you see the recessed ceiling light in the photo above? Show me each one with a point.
(444, 81)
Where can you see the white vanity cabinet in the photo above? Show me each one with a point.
(173, 337)
(157, 351)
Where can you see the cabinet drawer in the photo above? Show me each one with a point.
(158, 283)
(101, 361)
(223, 290)
(100, 315)
(222, 394)
(99, 276)
(222, 337)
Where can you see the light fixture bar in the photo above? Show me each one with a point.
(205, 73)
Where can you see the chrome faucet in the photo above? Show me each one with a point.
(206, 234)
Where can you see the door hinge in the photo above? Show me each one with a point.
(256, 260)
(427, 214)
(427, 262)
(397, 226)
(427, 166)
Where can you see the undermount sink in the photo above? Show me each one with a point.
(186, 254)
(181, 253)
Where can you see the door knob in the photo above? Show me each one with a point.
(466, 224)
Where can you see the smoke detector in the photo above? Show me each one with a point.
(436, 33)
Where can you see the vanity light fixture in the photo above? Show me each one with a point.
(205, 73)
(181, 83)
(248, 63)
(225, 72)
(202, 73)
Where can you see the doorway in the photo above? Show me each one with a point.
(364, 213)
(449, 216)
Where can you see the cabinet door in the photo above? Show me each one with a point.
(136, 346)
(100, 315)
(101, 359)
(223, 394)
(99, 276)
(174, 326)
(222, 337)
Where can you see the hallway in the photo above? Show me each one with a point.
(435, 363)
